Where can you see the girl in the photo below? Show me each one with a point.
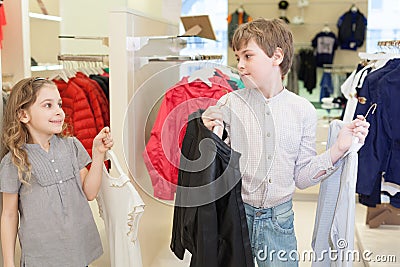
(43, 177)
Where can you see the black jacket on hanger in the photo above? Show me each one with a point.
(209, 215)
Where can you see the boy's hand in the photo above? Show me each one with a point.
(103, 141)
(212, 117)
(357, 128)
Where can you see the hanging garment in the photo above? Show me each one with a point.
(233, 79)
(103, 82)
(94, 88)
(334, 221)
(234, 20)
(326, 86)
(380, 152)
(350, 89)
(352, 27)
(325, 44)
(78, 114)
(308, 69)
(93, 99)
(121, 208)
(162, 152)
(3, 22)
(209, 214)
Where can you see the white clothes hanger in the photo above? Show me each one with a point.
(203, 75)
(326, 28)
(60, 74)
(354, 8)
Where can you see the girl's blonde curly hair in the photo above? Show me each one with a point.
(15, 134)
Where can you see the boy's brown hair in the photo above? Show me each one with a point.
(268, 34)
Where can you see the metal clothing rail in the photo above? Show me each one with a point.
(274, 2)
(341, 69)
(85, 58)
(184, 58)
(141, 61)
(206, 57)
(393, 43)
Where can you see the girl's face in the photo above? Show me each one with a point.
(45, 116)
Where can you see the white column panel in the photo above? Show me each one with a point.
(16, 44)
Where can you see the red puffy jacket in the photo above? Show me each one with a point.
(95, 94)
(162, 152)
(78, 114)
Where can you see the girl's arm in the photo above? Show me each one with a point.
(91, 180)
(9, 226)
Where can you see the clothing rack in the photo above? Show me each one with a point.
(273, 2)
(85, 58)
(184, 58)
(330, 68)
(384, 213)
(393, 43)
(141, 61)
(392, 51)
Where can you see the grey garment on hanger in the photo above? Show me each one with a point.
(334, 221)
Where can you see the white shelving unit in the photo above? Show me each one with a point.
(44, 17)
(30, 34)
(45, 44)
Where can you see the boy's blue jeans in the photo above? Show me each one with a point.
(272, 236)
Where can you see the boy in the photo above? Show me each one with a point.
(274, 130)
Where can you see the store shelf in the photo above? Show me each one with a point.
(145, 46)
(46, 67)
(44, 17)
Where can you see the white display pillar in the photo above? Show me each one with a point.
(16, 52)
(121, 77)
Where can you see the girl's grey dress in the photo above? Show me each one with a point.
(56, 224)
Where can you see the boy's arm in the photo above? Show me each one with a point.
(9, 226)
(91, 180)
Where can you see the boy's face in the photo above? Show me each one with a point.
(255, 67)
